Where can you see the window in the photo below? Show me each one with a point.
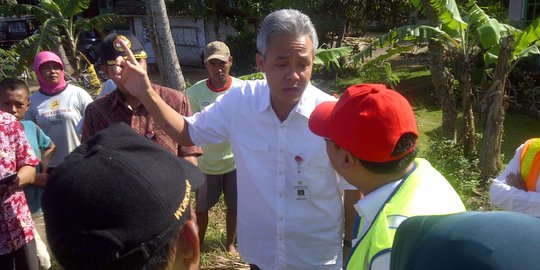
(532, 11)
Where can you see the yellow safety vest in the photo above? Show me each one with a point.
(424, 192)
(530, 163)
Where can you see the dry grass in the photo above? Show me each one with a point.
(214, 255)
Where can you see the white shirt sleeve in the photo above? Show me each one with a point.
(510, 198)
(381, 262)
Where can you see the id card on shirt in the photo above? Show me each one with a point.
(301, 192)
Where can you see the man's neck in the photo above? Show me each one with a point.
(217, 84)
(131, 100)
(282, 111)
(375, 181)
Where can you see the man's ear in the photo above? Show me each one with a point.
(105, 69)
(348, 160)
(190, 251)
(259, 59)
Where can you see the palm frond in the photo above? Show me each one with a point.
(97, 22)
(448, 13)
(44, 39)
(52, 7)
(72, 8)
(418, 33)
(19, 10)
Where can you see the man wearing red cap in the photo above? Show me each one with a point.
(371, 138)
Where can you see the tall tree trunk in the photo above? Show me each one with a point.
(59, 49)
(160, 33)
(469, 129)
(497, 103)
(342, 29)
(215, 19)
(443, 82)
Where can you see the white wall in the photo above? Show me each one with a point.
(515, 12)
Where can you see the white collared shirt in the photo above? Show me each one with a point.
(367, 208)
(278, 228)
(510, 198)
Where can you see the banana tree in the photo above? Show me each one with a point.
(461, 40)
(61, 25)
(453, 35)
(505, 47)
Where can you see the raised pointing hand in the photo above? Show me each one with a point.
(130, 74)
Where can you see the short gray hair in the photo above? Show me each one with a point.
(285, 21)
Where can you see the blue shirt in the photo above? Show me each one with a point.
(38, 140)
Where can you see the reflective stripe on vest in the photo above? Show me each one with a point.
(530, 163)
(423, 192)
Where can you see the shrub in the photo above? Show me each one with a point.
(463, 174)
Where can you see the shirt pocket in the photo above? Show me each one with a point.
(256, 157)
(320, 174)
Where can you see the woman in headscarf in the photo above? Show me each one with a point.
(58, 106)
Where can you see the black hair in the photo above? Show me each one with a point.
(13, 84)
(404, 144)
(162, 257)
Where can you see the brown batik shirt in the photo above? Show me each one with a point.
(113, 109)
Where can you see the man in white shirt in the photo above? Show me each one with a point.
(517, 188)
(290, 210)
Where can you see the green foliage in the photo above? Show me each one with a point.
(243, 49)
(8, 60)
(59, 20)
(462, 173)
(252, 76)
(527, 42)
(330, 57)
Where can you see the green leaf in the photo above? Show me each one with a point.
(418, 33)
(529, 37)
(44, 39)
(252, 76)
(52, 7)
(448, 13)
(71, 8)
(327, 57)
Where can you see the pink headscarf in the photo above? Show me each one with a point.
(47, 88)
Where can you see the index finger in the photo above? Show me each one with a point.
(129, 53)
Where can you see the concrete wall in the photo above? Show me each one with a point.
(189, 35)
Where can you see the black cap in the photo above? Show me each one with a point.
(110, 48)
(469, 240)
(115, 200)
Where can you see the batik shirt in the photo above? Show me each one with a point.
(113, 109)
(16, 225)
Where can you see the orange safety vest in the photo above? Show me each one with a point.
(530, 163)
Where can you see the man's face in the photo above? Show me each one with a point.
(218, 70)
(109, 70)
(51, 72)
(15, 102)
(287, 65)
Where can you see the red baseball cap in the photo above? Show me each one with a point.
(367, 120)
